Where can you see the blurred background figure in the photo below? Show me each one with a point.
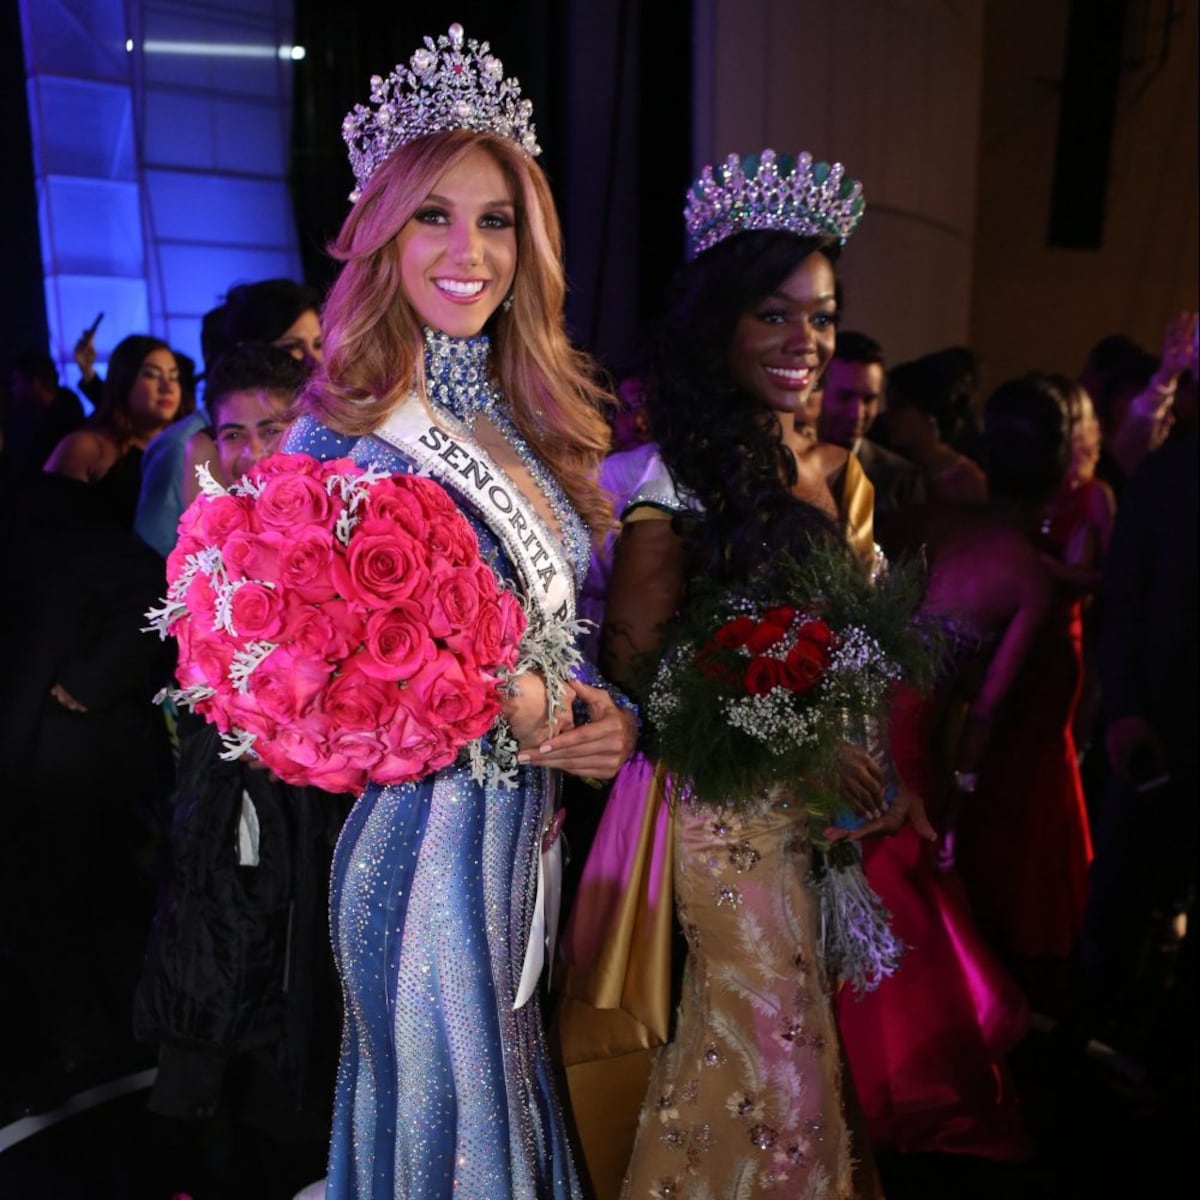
(1024, 843)
(853, 390)
(1138, 950)
(274, 312)
(1134, 394)
(38, 415)
(142, 396)
(928, 410)
(238, 992)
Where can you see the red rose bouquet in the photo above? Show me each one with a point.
(337, 623)
(759, 687)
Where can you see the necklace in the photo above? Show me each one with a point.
(458, 380)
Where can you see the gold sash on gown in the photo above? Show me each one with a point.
(615, 1012)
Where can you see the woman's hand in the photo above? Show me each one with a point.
(905, 806)
(526, 708)
(65, 698)
(860, 781)
(595, 749)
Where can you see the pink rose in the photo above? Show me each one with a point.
(222, 516)
(465, 701)
(289, 501)
(332, 630)
(204, 657)
(456, 603)
(397, 643)
(285, 686)
(397, 505)
(433, 498)
(451, 538)
(256, 612)
(304, 564)
(415, 746)
(359, 748)
(354, 700)
(177, 559)
(335, 466)
(384, 567)
(201, 600)
(252, 555)
(289, 464)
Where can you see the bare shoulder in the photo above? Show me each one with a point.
(84, 454)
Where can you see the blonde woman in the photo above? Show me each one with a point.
(445, 354)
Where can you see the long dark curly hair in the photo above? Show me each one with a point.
(721, 445)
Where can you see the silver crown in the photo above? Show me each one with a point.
(448, 84)
(771, 191)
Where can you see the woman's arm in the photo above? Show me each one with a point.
(80, 455)
(647, 585)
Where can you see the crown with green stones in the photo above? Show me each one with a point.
(771, 191)
(447, 84)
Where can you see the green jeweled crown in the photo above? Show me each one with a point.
(771, 191)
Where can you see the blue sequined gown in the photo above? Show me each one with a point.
(444, 1089)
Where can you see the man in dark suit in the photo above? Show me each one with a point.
(854, 385)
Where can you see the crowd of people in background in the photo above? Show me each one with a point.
(1056, 759)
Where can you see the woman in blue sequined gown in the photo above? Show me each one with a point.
(445, 355)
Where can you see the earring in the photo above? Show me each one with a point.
(506, 303)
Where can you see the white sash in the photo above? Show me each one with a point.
(444, 450)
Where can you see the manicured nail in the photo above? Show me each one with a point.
(545, 748)
(522, 757)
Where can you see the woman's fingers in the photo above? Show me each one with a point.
(595, 749)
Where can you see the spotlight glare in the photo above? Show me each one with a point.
(129, 45)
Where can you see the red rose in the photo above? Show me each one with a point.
(712, 664)
(288, 501)
(397, 643)
(763, 674)
(782, 614)
(734, 633)
(817, 633)
(765, 635)
(805, 664)
(304, 561)
(256, 612)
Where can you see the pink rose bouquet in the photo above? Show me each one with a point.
(337, 623)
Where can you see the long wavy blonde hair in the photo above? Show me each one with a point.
(373, 345)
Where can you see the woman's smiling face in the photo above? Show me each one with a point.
(458, 252)
(781, 346)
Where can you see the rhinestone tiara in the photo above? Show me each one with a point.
(447, 84)
(771, 191)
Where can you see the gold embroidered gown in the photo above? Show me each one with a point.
(749, 1098)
